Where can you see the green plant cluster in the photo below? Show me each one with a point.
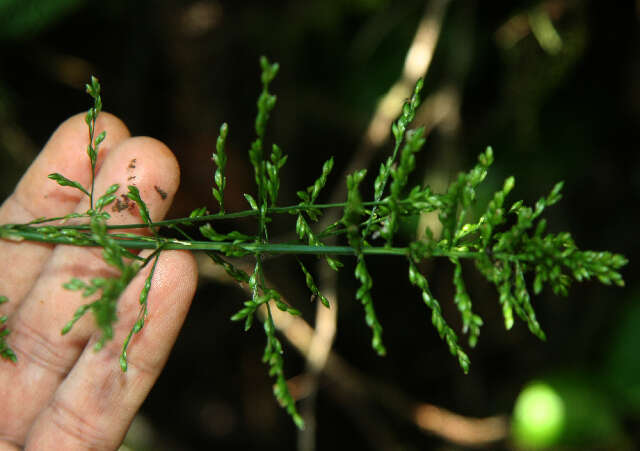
(5, 351)
(505, 242)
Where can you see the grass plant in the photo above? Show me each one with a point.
(508, 243)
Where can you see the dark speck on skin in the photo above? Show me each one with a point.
(132, 163)
(121, 204)
(162, 193)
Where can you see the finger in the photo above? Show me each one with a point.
(37, 196)
(44, 355)
(95, 404)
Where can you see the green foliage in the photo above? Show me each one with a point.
(471, 322)
(134, 195)
(400, 177)
(63, 181)
(115, 254)
(5, 351)
(508, 245)
(309, 196)
(20, 18)
(437, 319)
(93, 89)
(266, 103)
(273, 357)
(109, 288)
(277, 161)
(108, 197)
(219, 158)
(144, 304)
(364, 296)
(398, 129)
(315, 292)
(303, 229)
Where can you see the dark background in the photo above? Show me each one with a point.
(175, 70)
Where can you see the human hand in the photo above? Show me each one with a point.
(61, 394)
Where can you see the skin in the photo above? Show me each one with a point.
(61, 394)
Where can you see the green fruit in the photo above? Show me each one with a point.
(538, 417)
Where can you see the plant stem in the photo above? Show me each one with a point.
(292, 209)
(250, 248)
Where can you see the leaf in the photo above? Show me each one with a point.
(470, 322)
(139, 324)
(63, 181)
(219, 157)
(75, 284)
(438, 321)
(364, 296)
(79, 313)
(312, 286)
(5, 351)
(99, 139)
(134, 195)
(236, 273)
(252, 201)
(107, 197)
(273, 167)
(314, 190)
(334, 263)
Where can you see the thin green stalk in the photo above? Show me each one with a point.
(259, 248)
(291, 209)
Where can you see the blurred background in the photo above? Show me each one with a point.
(553, 86)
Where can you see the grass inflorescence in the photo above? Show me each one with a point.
(506, 242)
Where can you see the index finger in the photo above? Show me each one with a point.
(36, 196)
